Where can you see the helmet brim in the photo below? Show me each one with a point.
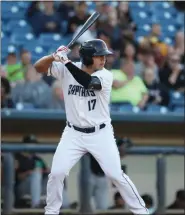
(103, 53)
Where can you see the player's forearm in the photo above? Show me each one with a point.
(43, 64)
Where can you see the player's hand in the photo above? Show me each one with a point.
(60, 55)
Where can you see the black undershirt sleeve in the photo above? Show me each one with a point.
(86, 80)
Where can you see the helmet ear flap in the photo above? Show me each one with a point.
(87, 61)
(86, 55)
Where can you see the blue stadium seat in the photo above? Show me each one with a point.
(23, 4)
(180, 110)
(37, 53)
(138, 4)
(18, 26)
(156, 109)
(21, 39)
(91, 5)
(142, 18)
(28, 106)
(13, 13)
(47, 40)
(169, 30)
(30, 45)
(126, 108)
(177, 100)
(5, 42)
(66, 40)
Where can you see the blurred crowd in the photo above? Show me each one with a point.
(146, 71)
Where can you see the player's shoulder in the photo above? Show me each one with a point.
(104, 72)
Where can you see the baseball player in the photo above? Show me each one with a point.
(86, 86)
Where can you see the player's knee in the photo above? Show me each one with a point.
(58, 173)
(114, 176)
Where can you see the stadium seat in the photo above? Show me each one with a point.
(18, 26)
(179, 110)
(13, 13)
(177, 100)
(28, 106)
(21, 39)
(23, 4)
(140, 4)
(30, 45)
(126, 108)
(156, 109)
(37, 52)
(48, 40)
(169, 30)
(6, 44)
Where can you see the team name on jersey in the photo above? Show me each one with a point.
(80, 91)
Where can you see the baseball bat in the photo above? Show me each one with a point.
(84, 28)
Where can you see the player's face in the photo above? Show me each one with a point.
(99, 62)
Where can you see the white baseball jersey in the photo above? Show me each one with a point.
(84, 108)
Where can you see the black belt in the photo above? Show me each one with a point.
(86, 130)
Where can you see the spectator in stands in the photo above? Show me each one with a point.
(179, 45)
(66, 10)
(33, 90)
(34, 8)
(57, 96)
(25, 56)
(113, 61)
(146, 60)
(179, 202)
(158, 93)
(172, 75)
(79, 18)
(6, 100)
(149, 203)
(13, 68)
(118, 202)
(152, 41)
(30, 176)
(129, 54)
(128, 88)
(124, 16)
(46, 20)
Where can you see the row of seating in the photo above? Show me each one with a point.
(16, 33)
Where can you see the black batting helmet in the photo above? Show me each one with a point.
(92, 48)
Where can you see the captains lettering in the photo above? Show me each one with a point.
(80, 91)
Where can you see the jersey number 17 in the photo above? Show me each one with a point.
(91, 104)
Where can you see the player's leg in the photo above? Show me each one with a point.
(67, 154)
(103, 147)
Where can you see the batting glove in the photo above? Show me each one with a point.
(60, 55)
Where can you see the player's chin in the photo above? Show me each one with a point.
(101, 66)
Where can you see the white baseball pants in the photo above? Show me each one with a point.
(101, 144)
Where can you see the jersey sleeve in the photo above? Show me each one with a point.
(106, 79)
(57, 70)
